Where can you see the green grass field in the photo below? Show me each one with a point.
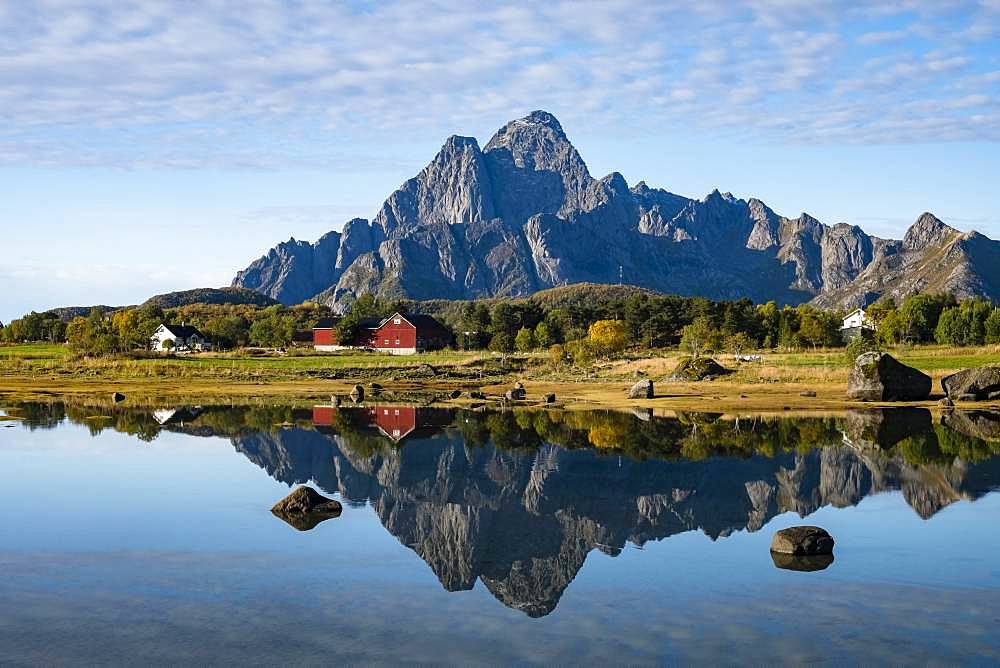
(925, 358)
(54, 359)
(55, 362)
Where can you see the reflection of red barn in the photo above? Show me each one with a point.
(395, 422)
(399, 334)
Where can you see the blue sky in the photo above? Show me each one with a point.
(152, 146)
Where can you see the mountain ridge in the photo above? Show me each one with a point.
(524, 214)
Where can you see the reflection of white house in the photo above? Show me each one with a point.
(182, 337)
(854, 322)
(178, 415)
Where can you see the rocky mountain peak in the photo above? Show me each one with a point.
(524, 214)
(928, 230)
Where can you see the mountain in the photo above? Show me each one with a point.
(210, 296)
(524, 214)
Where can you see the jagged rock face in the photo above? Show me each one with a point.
(524, 214)
(291, 270)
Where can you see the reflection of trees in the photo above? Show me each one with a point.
(518, 499)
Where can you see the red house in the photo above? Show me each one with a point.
(399, 334)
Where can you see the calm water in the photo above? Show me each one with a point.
(142, 536)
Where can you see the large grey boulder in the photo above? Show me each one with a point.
(641, 390)
(304, 508)
(980, 382)
(802, 540)
(881, 377)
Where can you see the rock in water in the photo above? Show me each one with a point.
(304, 508)
(802, 541)
(641, 390)
(805, 563)
(698, 368)
(358, 393)
(880, 377)
(980, 382)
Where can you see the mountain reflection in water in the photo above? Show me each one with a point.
(518, 499)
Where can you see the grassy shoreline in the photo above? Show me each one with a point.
(46, 370)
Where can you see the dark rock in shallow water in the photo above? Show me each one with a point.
(880, 377)
(698, 368)
(802, 541)
(804, 563)
(979, 382)
(304, 508)
(641, 390)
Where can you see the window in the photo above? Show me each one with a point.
(387, 342)
(385, 411)
(397, 411)
(397, 321)
(397, 342)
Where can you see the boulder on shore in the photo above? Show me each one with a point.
(455, 394)
(881, 377)
(516, 394)
(641, 390)
(358, 393)
(979, 382)
(304, 508)
(117, 397)
(425, 371)
(698, 368)
(549, 398)
(802, 541)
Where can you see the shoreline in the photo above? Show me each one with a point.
(717, 396)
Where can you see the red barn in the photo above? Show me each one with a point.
(399, 334)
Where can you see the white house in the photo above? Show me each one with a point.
(181, 337)
(854, 322)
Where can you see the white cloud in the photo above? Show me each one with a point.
(268, 83)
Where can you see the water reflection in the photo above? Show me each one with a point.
(518, 499)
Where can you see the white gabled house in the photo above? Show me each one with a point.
(854, 322)
(182, 337)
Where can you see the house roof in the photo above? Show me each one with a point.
(183, 331)
(326, 323)
(423, 323)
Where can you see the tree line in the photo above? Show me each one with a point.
(582, 324)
